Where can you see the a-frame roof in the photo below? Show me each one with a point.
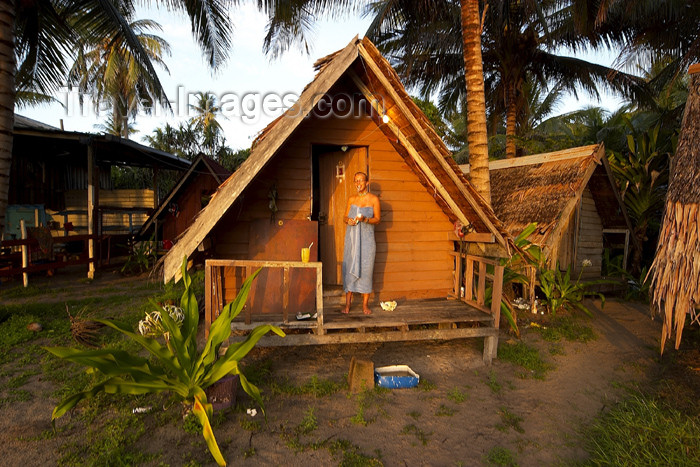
(545, 188)
(408, 129)
(201, 164)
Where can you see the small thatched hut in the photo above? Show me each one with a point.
(572, 196)
(675, 281)
(191, 193)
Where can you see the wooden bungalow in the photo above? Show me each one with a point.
(292, 191)
(61, 179)
(572, 196)
(189, 195)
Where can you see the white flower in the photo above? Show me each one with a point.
(252, 412)
(152, 324)
(586, 263)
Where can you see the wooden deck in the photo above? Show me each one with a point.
(466, 314)
(436, 319)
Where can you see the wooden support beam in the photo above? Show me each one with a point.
(356, 337)
(567, 154)
(475, 237)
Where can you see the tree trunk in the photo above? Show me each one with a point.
(7, 100)
(476, 102)
(510, 121)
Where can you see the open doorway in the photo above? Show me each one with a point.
(333, 168)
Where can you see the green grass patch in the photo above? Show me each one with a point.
(445, 411)
(20, 380)
(309, 423)
(421, 435)
(16, 395)
(191, 424)
(493, 383)
(20, 291)
(525, 356)
(316, 387)
(641, 431)
(457, 396)
(249, 425)
(499, 456)
(414, 414)
(109, 443)
(351, 456)
(426, 385)
(510, 420)
(367, 406)
(566, 327)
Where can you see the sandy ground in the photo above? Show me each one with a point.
(539, 421)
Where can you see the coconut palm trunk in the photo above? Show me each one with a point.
(511, 116)
(476, 101)
(7, 101)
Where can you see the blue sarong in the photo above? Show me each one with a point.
(358, 252)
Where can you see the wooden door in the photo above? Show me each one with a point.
(334, 192)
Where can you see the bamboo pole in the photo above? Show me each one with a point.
(25, 252)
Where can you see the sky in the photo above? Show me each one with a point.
(250, 86)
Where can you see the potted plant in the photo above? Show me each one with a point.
(177, 365)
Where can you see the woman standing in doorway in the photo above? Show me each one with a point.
(361, 215)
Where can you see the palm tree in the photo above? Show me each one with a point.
(37, 36)
(120, 127)
(205, 122)
(517, 41)
(107, 71)
(476, 101)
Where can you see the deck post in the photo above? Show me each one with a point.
(285, 295)
(248, 312)
(208, 297)
(490, 348)
(469, 281)
(319, 299)
(491, 342)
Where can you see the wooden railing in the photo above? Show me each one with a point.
(15, 256)
(214, 300)
(471, 276)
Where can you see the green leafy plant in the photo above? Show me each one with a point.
(528, 255)
(141, 256)
(563, 294)
(177, 366)
(637, 286)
